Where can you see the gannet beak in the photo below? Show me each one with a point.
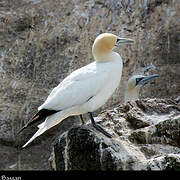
(123, 40)
(146, 79)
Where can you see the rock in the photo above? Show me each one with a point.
(9, 158)
(82, 148)
(166, 132)
(144, 113)
(162, 118)
(165, 162)
(133, 147)
(42, 41)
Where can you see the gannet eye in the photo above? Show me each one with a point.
(138, 80)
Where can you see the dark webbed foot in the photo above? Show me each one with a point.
(81, 117)
(100, 129)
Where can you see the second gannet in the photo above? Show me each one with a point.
(134, 84)
(84, 90)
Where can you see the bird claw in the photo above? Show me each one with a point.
(100, 129)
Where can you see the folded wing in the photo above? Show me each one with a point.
(77, 88)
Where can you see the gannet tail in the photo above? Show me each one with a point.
(53, 120)
(40, 115)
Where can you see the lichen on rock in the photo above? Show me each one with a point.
(152, 147)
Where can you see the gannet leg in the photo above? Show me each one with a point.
(100, 129)
(81, 117)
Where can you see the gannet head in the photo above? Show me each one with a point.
(134, 84)
(104, 44)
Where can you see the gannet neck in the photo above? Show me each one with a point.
(131, 94)
(103, 45)
(111, 56)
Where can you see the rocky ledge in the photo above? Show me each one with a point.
(146, 136)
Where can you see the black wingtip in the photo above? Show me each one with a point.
(42, 114)
(24, 127)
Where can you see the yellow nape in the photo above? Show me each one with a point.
(103, 45)
(131, 85)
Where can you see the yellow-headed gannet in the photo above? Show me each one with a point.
(85, 89)
(134, 84)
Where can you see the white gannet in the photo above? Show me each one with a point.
(134, 84)
(84, 90)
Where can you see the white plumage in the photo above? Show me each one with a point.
(87, 88)
(84, 83)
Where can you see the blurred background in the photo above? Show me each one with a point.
(43, 41)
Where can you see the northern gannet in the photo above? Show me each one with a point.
(134, 84)
(84, 90)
